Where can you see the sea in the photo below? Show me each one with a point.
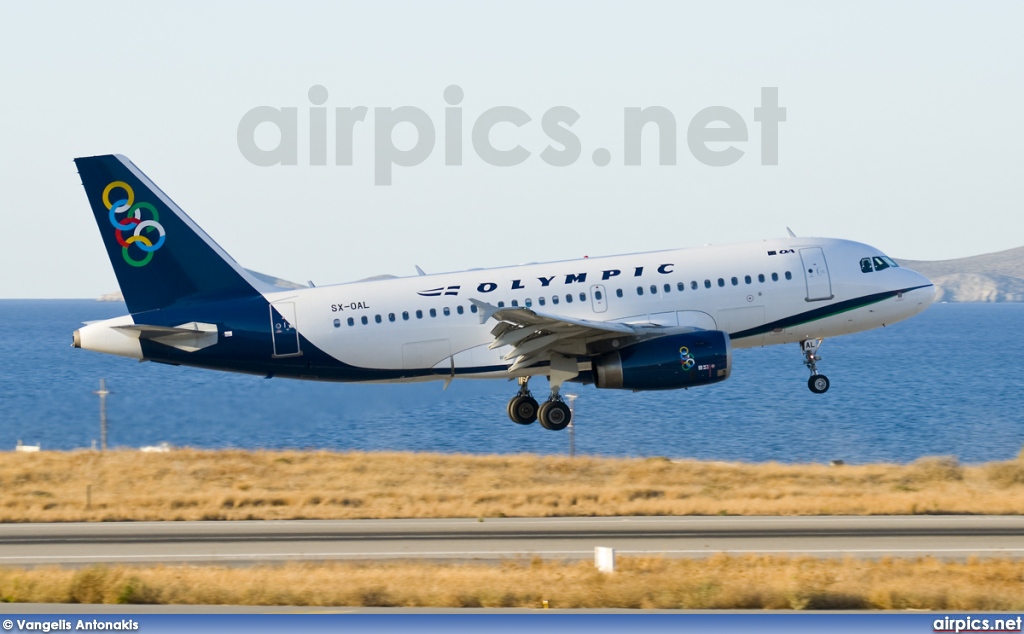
(949, 382)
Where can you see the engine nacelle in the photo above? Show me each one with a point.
(667, 363)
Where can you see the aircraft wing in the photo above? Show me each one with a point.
(535, 335)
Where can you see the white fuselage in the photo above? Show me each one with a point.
(809, 288)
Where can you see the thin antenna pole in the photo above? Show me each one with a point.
(103, 414)
(572, 424)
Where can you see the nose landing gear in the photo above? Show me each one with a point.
(818, 383)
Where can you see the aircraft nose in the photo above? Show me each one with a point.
(931, 292)
(925, 292)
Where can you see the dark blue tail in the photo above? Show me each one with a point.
(160, 256)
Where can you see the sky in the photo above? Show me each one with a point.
(903, 129)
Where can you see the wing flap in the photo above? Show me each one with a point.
(537, 336)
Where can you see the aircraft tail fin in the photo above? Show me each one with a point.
(160, 256)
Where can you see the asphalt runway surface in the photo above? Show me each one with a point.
(254, 542)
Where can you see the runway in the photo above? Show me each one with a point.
(251, 542)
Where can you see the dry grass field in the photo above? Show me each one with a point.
(228, 485)
(719, 582)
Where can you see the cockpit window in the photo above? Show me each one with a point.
(877, 263)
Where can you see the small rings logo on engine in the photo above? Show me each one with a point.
(133, 221)
(686, 358)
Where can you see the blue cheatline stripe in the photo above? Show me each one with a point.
(823, 312)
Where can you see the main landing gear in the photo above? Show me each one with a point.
(818, 383)
(553, 414)
(522, 409)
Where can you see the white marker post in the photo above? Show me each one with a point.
(604, 559)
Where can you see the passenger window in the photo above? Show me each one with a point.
(459, 309)
(554, 299)
(681, 286)
(405, 315)
(789, 275)
(598, 295)
(760, 277)
(654, 289)
(668, 288)
(775, 277)
(433, 312)
(472, 308)
(865, 265)
(501, 304)
(419, 314)
(746, 279)
(391, 316)
(707, 283)
(541, 301)
(721, 282)
(447, 312)
(364, 320)
(583, 297)
(639, 290)
(337, 323)
(351, 322)
(693, 285)
(880, 263)
(618, 292)
(515, 302)
(735, 282)
(528, 302)
(568, 298)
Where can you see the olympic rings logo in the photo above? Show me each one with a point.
(686, 358)
(133, 222)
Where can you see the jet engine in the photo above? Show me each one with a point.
(667, 363)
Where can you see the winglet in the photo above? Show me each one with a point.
(486, 310)
(790, 232)
(419, 270)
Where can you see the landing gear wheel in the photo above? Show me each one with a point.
(818, 383)
(522, 409)
(554, 415)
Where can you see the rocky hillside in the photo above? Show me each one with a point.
(993, 277)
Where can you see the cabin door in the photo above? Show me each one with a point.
(283, 330)
(819, 285)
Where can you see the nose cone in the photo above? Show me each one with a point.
(923, 291)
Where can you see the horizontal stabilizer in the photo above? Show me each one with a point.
(275, 283)
(187, 337)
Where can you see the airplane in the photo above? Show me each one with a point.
(645, 321)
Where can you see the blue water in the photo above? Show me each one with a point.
(948, 382)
